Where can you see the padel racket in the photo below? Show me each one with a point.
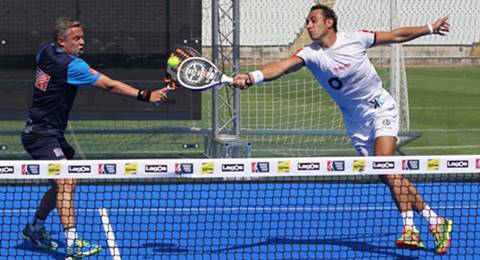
(197, 73)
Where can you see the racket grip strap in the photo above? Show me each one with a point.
(256, 77)
(144, 95)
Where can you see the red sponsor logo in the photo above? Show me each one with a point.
(344, 67)
(477, 163)
(41, 80)
(367, 31)
(295, 54)
(93, 72)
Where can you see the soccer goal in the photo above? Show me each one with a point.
(294, 116)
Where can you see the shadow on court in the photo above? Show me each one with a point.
(28, 246)
(358, 246)
(166, 248)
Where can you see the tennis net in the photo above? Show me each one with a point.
(275, 208)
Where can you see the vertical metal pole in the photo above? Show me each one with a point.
(215, 47)
(236, 64)
(394, 57)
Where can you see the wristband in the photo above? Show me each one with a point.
(144, 95)
(256, 77)
(430, 28)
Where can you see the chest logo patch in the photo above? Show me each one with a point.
(41, 80)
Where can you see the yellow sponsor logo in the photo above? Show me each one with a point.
(283, 167)
(53, 169)
(358, 165)
(433, 164)
(207, 168)
(131, 168)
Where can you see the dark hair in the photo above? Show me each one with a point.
(328, 13)
(62, 25)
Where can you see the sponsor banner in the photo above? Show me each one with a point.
(107, 168)
(131, 169)
(283, 167)
(308, 166)
(7, 169)
(383, 165)
(335, 166)
(260, 167)
(82, 169)
(233, 167)
(156, 168)
(410, 165)
(30, 169)
(433, 164)
(358, 165)
(183, 168)
(207, 168)
(457, 164)
(54, 169)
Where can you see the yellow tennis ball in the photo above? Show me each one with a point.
(173, 62)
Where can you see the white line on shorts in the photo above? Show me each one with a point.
(112, 245)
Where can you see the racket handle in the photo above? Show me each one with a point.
(226, 79)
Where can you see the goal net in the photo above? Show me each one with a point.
(293, 115)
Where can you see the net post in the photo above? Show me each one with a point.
(228, 146)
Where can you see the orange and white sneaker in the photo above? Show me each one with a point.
(441, 233)
(410, 239)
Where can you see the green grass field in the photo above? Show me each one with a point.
(444, 107)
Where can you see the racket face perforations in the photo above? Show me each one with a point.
(197, 72)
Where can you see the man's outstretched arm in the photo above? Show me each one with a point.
(118, 87)
(404, 34)
(268, 72)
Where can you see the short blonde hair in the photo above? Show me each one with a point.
(62, 25)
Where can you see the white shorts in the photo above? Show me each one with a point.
(383, 122)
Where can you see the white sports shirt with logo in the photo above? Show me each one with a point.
(346, 73)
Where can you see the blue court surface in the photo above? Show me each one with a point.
(244, 220)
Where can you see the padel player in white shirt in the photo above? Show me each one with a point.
(340, 64)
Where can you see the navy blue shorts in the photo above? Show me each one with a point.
(47, 147)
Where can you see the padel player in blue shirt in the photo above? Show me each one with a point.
(60, 72)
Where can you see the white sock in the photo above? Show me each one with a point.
(71, 235)
(407, 217)
(38, 222)
(430, 216)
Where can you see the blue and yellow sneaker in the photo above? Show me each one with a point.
(81, 248)
(441, 233)
(410, 239)
(39, 237)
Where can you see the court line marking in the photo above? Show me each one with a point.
(447, 130)
(112, 244)
(440, 147)
(209, 209)
(443, 107)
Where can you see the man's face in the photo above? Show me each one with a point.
(72, 42)
(317, 25)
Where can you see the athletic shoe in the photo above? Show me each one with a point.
(39, 237)
(81, 248)
(441, 233)
(410, 239)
